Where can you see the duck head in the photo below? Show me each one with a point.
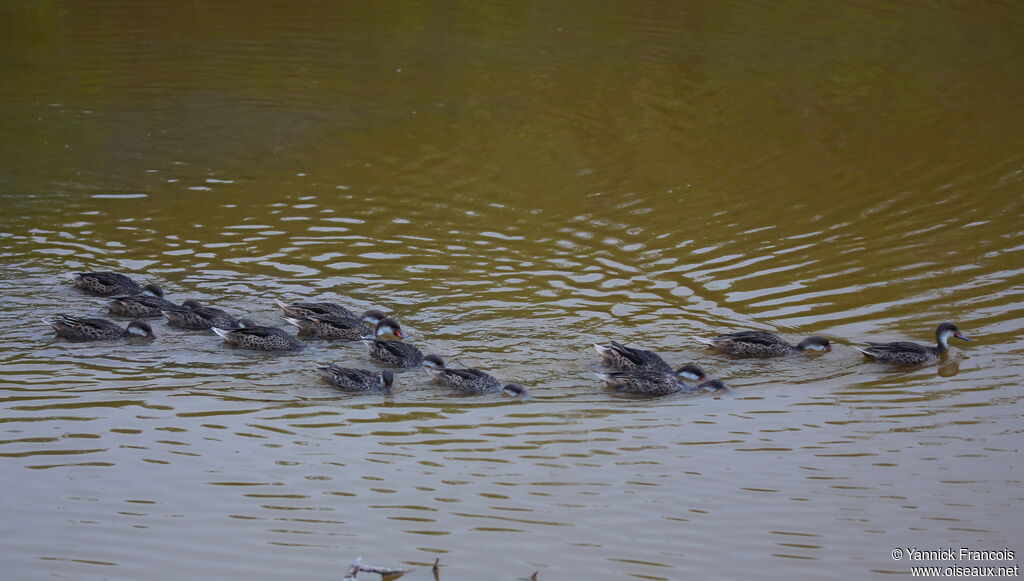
(433, 361)
(514, 390)
(691, 372)
(153, 291)
(714, 386)
(387, 380)
(814, 343)
(389, 327)
(373, 317)
(947, 330)
(140, 329)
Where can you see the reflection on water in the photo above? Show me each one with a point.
(514, 185)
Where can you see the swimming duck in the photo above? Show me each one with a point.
(621, 358)
(763, 344)
(301, 310)
(194, 316)
(659, 383)
(907, 353)
(349, 379)
(467, 380)
(259, 338)
(148, 304)
(85, 329)
(393, 352)
(105, 284)
(332, 327)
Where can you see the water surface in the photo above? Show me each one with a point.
(515, 182)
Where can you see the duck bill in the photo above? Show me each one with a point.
(961, 337)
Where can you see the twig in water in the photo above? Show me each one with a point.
(357, 566)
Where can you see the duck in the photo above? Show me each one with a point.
(106, 284)
(302, 310)
(660, 383)
(467, 380)
(618, 357)
(397, 353)
(357, 380)
(907, 353)
(258, 338)
(88, 329)
(333, 327)
(764, 344)
(148, 304)
(193, 315)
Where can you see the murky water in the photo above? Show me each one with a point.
(516, 182)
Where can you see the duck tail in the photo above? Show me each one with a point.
(222, 332)
(866, 352)
(281, 303)
(602, 349)
(709, 342)
(296, 322)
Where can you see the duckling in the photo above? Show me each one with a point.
(763, 344)
(148, 304)
(348, 379)
(656, 382)
(907, 353)
(302, 310)
(621, 358)
(393, 352)
(332, 327)
(105, 284)
(192, 315)
(258, 338)
(85, 329)
(467, 380)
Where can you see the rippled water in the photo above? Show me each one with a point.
(515, 182)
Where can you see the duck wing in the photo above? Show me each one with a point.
(754, 337)
(899, 347)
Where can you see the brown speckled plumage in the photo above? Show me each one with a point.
(357, 380)
(91, 329)
(106, 284)
(621, 358)
(259, 338)
(763, 344)
(302, 310)
(192, 315)
(907, 353)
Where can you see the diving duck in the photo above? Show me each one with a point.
(348, 379)
(258, 338)
(907, 353)
(467, 380)
(84, 329)
(105, 284)
(660, 383)
(393, 352)
(763, 344)
(621, 358)
(148, 304)
(301, 310)
(333, 327)
(192, 315)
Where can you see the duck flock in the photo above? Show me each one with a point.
(629, 369)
